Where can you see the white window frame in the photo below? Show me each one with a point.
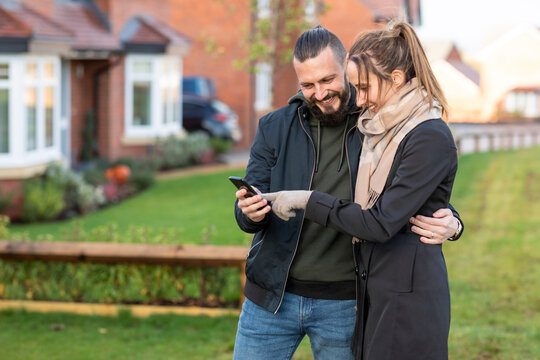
(18, 156)
(6, 84)
(264, 9)
(310, 11)
(524, 102)
(159, 79)
(263, 87)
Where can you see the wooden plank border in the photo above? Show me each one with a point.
(141, 311)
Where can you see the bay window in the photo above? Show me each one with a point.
(4, 108)
(152, 96)
(29, 111)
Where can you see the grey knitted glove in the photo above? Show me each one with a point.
(284, 202)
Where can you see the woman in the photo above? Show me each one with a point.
(407, 167)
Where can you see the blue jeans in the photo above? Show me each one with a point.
(329, 324)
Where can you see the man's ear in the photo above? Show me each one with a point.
(398, 78)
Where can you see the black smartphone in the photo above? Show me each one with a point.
(241, 183)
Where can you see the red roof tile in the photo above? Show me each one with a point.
(145, 30)
(42, 26)
(466, 70)
(147, 34)
(90, 34)
(173, 37)
(11, 26)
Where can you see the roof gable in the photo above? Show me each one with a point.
(11, 26)
(89, 31)
(145, 34)
(42, 26)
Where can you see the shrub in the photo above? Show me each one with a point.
(43, 200)
(5, 201)
(197, 144)
(176, 153)
(94, 176)
(220, 145)
(172, 153)
(78, 194)
(142, 178)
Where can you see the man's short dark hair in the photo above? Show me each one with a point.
(313, 41)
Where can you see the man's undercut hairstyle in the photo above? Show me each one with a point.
(313, 41)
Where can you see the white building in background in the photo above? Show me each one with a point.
(460, 82)
(500, 82)
(510, 73)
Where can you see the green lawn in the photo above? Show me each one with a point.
(32, 336)
(494, 269)
(494, 272)
(188, 210)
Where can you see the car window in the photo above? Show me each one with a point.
(220, 107)
(189, 86)
(191, 107)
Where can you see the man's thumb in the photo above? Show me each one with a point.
(270, 196)
(442, 213)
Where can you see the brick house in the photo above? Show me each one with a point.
(110, 67)
(217, 29)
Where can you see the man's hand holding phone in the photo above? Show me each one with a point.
(253, 206)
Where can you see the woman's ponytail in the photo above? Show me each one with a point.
(421, 65)
(398, 47)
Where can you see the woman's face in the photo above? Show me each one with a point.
(371, 96)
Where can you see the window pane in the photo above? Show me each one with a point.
(141, 103)
(165, 101)
(31, 72)
(49, 70)
(4, 120)
(175, 105)
(49, 111)
(263, 87)
(166, 66)
(4, 72)
(142, 67)
(30, 99)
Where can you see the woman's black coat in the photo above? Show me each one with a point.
(403, 294)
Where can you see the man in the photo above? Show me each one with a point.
(300, 275)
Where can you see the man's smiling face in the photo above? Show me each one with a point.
(323, 82)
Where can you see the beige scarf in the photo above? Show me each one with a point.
(383, 132)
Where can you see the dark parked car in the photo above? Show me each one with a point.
(199, 85)
(211, 116)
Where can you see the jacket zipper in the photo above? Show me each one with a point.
(303, 216)
(256, 244)
(356, 268)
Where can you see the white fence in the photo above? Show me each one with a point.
(472, 138)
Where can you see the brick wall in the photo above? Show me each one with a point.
(82, 100)
(120, 11)
(13, 187)
(114, 121)
(346, 18)
(216, 29)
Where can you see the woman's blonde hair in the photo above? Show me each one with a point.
(396, 47)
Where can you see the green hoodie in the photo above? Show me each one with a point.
(323, 266)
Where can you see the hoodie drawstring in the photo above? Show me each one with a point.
(343, 144)
(318, 148)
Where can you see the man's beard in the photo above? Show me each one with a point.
(334, 118)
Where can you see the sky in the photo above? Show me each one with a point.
(472, 24)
